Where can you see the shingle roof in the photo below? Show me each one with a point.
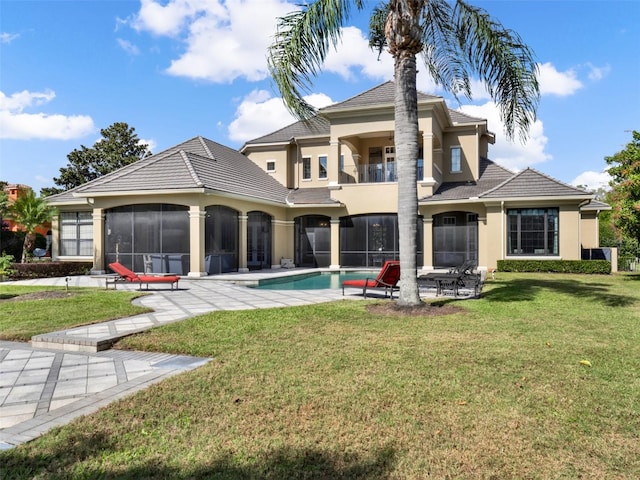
(317, 126)
(497, 182)
(532, 183)
(311, 196)
(198, 163)
(596, 205)
(460, 117)
(383, 94)
(491, 175)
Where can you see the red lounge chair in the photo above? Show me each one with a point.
(128, 276)
(387, 278)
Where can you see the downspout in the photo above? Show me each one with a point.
(502, 229)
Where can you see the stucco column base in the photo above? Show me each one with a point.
(243, 270)
(197, 274)
(334, 267)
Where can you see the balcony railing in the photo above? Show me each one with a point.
(375, 173)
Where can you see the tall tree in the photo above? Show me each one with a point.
(625, 183)
(29, 212)
(4, 209)
(457, 42)
(119, 146)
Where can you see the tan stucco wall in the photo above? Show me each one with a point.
(589, 232)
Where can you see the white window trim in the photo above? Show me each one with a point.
(323, 179)
(267, 166)
(454, 147)
(303, 178)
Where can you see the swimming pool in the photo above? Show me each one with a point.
(311, 281)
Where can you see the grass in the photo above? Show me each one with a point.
(43, 310)
(332, 391)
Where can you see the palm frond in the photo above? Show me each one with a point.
(503, 62)
(440, 53)
(301, 45)
(377, 21)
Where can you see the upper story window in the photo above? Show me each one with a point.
(306, 168)
(76, 234)
(456, 155)
(322, 165)
(271, 166)
(532, 231)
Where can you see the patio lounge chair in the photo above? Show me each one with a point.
(128, 276)
(387, 279)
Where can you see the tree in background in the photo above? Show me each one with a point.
(625, 192)
(119, 146)
(4, 209)
(456, 43)
(29, 212)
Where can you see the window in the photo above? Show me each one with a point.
(532, 231)
(342, 163)
(456, 154)
(306, 168)
(76, 234)
(271, 166)
(322, 165)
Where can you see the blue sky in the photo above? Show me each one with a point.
(174, 69)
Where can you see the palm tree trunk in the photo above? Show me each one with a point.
(407, 148)
(27, 246)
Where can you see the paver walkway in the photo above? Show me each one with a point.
(42, 387)
(65, 374)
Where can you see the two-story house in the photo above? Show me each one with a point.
(324, 192)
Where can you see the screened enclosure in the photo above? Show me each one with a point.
(221, 239)
(148, 238)
(370, 240)
(313, 241)
(455, 238)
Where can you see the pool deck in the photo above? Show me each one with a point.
(65, 374)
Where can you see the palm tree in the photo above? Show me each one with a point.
(456, 41)
(30, 212)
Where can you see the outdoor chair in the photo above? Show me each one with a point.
(467, 267)
(387, 279)
(128, 276)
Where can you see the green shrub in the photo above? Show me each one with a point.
(6, 262)
(556, 266)
(49, 269)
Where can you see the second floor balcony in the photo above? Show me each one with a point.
(375, 173)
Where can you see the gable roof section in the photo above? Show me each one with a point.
(491, 176)
(317, 126)
(311, 196)
(197, 164)
(532, 183)
(496, 182)
(383, 94)
(460, 117)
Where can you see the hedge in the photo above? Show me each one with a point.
(556, 266)
(45, 269)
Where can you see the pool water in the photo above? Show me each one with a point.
(312, 281)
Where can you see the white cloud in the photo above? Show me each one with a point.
(259, 114)
(598, 73)
(150, 142)
(8, 37)
(512, 155)
(553, 82)
(353, 58)
(223, 41)
(128, 47)
(15, 124)
(592, 180)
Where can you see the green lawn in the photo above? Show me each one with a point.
(332, 391)
(43, 310)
